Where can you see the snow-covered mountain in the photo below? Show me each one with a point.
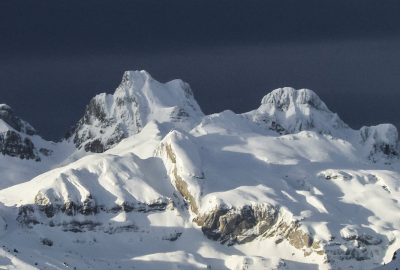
(286, 186)
(287, 110)
(138, 100)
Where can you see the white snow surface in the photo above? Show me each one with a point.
(318, 172)
(296, 110)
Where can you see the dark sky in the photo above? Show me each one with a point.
(56, 55)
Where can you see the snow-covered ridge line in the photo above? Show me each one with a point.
(138, 100)
(288, 111)
(287, 186)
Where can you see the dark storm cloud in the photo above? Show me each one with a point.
(55, 55)
(92, 25)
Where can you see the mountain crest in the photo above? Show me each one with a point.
(16, 136)
(8, 118)
(287, 110)
(138, 100)
(286, 97)
(380, 140)
(131, 76)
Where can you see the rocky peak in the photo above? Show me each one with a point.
(16, 136)
(13, 121)
(138, 99)
(287, 110)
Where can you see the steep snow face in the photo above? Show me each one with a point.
(138, 100)
(287, 110)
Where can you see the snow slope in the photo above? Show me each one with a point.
(287, 186)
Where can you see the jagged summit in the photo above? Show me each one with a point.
(138, 99)
(8, 120)
(16, 136)
(287, 110)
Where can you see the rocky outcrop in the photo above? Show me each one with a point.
(180, 184)
(16, 123)
(79, 216)
(227, 225)
(88, 206)
(183, 162)
(238, 226)
(16, 136)
(14, 145)
(96, 131)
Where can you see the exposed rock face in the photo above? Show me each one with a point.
(12, 144)
(78, 216)
(226, 225)
(380, 140)
(183, 163)
(138, 99)
(180, 184)
(52, 206)
(15, 136)
(8, 116)
(358, 248)
(238, 226)
(287, 110)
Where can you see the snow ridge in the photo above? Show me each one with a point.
(287, 110)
